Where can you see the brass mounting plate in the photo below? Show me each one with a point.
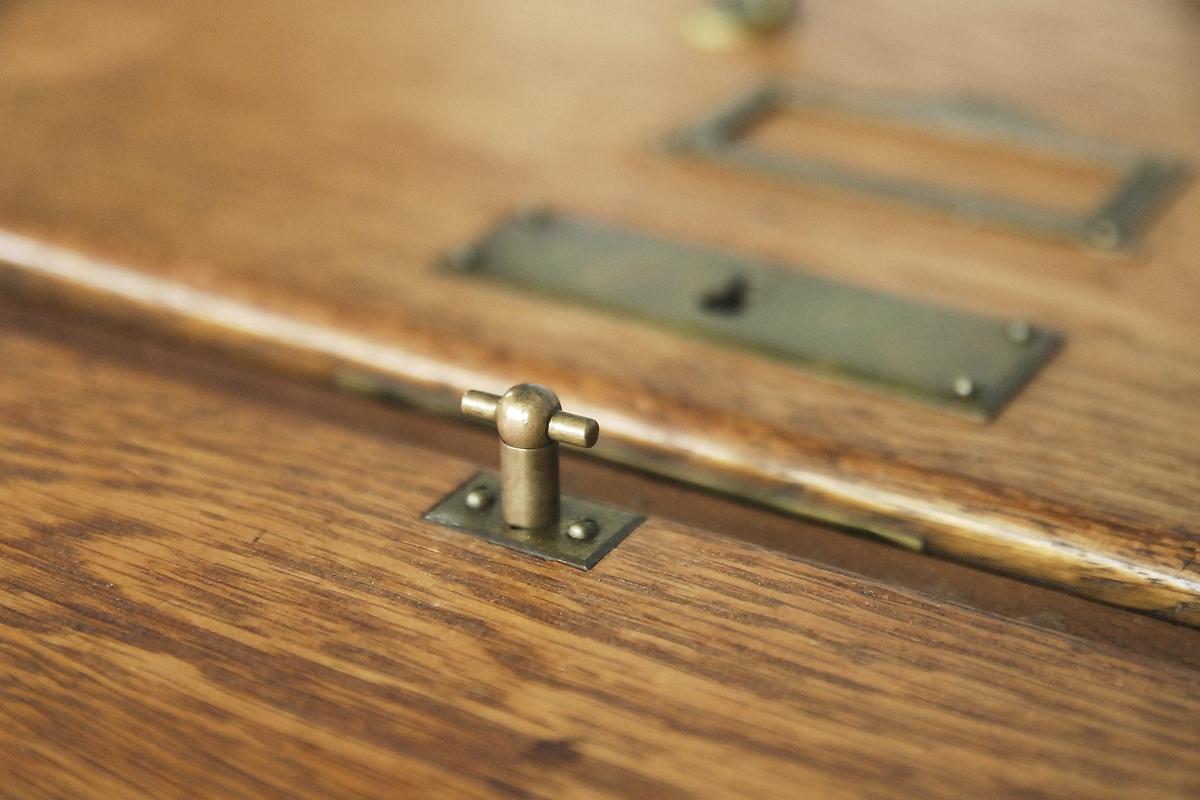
(1143, 185)
(959, 361)
(552, 542)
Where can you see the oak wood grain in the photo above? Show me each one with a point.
(644, 493)
(315, 162)
(206, 592)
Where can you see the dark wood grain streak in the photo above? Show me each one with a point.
(204, 592)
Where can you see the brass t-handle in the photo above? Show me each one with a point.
(531, 423)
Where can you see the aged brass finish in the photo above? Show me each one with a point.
(570, 539)
(722, 24)
(531, 423)
(529, 485)
(529, 516)
(386, 389)
(1144, 184)
(963, 362)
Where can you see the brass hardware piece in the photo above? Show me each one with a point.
(962, 362)
(529, 516)
(570, 539)
(723, 24)
(1145, 181)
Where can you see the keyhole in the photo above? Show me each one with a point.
(730, 298)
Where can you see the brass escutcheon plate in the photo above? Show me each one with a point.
(963, 362)
(551, 542)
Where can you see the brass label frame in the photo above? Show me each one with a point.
(1145, 183)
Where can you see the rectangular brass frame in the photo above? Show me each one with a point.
(1146, 181)
(959, 361)
(552, 542)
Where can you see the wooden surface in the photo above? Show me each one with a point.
(315, 162)
(209, 586)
